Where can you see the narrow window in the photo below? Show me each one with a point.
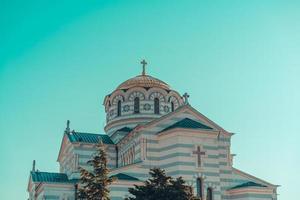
(172, 106)
(136, 105)
(122, 160)
(209, 194)
(117, 157)
(119, 108)
(156, 106)
(133, 153)
(199, 188)
(131, 157)
(125, 159)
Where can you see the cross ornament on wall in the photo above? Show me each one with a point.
(199, 153)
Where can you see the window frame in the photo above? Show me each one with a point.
(136, 105)
(172, 106)
(119, 108)
(156, 106)
(209, 192)
(199, 187)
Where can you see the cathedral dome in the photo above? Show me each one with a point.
(144, 81)
(137, 101)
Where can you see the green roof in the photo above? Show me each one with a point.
(89, 137)
(248, 184)
(189, 124)
(49, 177)
(125, 129)
(126, 177)
(122, 130)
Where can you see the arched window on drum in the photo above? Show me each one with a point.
(136, 105)
(119, 108)
(156, 106)
(172, 106)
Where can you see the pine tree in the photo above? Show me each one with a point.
(161, 187)
(94, 184)
(180, 190)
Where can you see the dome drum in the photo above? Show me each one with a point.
(146, 108)
(139, 100)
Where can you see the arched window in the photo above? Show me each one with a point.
(199, 185)
(172, 106)
(119, 108)
(209, 195)
(136, 105)
(156, 106)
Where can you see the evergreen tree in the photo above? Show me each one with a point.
(94, 184)
(161, 187)
(180, 190)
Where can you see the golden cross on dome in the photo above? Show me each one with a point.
(144, 63)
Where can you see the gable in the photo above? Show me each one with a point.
(64, 143)
(37, 177)
(158, 125)
(30, 183)
(248, 184)
(187, 123)
(178, 118)
(121, 176)
(120, 133)
(250, 178)
(80, 137)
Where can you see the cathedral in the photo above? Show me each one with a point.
(149, 124)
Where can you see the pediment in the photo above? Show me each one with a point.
(64, 143)
(252, 178)
(29, 185)
(185, 113)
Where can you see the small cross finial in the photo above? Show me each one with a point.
(68, 127)
(33, 166)
(186, 98)
(144, 63)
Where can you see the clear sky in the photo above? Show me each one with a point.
(238, 60)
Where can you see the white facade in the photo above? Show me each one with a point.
(160, 129)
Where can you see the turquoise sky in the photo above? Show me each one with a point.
(239, 61)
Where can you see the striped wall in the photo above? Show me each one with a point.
(172, 151)
(250, 197)
(53, 192)
(174, 154)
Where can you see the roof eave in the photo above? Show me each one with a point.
(253, 177)
(187, 129)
